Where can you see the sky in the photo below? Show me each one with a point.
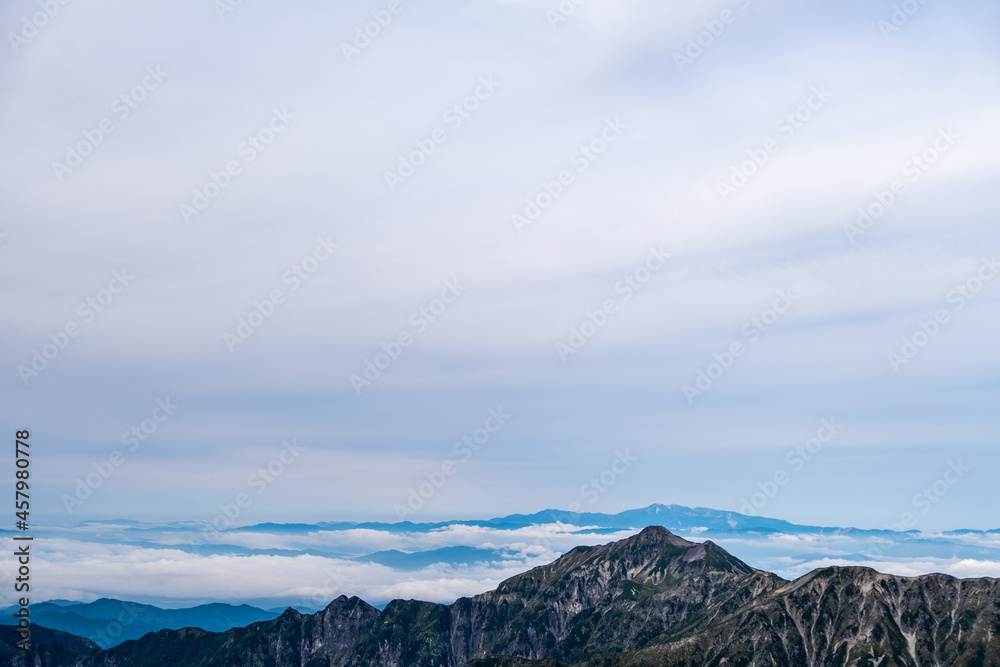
(501, 256)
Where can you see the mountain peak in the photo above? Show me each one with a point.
(652, 598)
(659, 534)
(645, 563)
(291, 614)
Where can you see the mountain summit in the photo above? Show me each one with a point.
(651, 599)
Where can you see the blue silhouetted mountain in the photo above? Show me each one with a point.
(108, 622)
(700, 521)
(672, 517)
(50, 647)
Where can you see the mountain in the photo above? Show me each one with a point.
(401, 560)
(378, 562)
(673, 517)
(848, 616)
(51, 647)
(108, 622)
(651, 599)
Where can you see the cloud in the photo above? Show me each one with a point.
(355, 119)
(915, 567)
(155, 563)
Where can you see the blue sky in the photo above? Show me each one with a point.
(913, 108)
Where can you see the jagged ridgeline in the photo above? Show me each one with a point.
(651, 599)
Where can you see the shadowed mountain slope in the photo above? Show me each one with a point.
(651, 599)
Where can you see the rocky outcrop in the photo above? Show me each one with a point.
(651, 599)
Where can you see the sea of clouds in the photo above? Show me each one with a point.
(273, 565)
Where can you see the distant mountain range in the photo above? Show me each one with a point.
(673, 517)
(109, 622)
(651, 599)
(676, 518)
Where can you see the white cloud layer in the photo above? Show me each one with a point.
(157, 566)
